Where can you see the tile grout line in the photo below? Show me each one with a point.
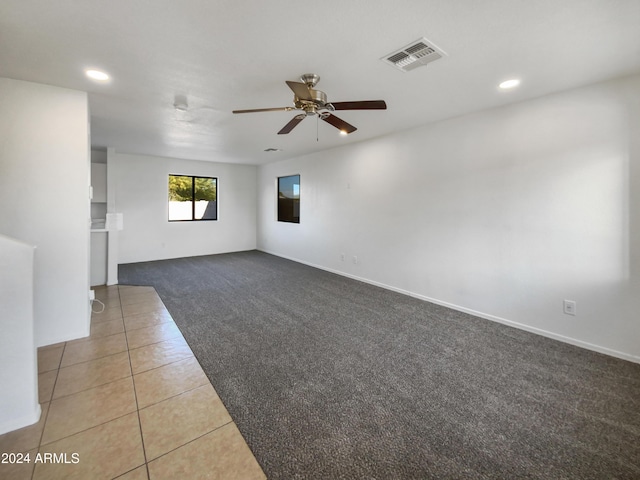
(54, 387)
(46, 417)
(87, 429)
(164, 364)
(92, 387)
(193, 440)
(148, 326)
(181, 393)
(157, 302)
(135, 393)
(128, 350)
(208, 382)
(97, 358)
(80, 341)
(51, 399)
(161, 341)
(155, 343)
(131, 374)
(92, 359)
(129, 471)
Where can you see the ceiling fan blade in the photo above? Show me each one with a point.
(254, 110)
(363, 105)
(300, 90)
(292, 124)
(339, 123)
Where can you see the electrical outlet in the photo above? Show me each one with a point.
(355, 260)
(569, 307)
(342, 257)
(92, 295)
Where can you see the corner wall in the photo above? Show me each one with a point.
(44, 199)
(18, 363)
(141, 194)
(503, 213)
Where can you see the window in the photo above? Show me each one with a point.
(289, 199)
(192, 198)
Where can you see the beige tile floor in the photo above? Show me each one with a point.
(131, 401)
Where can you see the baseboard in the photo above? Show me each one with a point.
(21, 422)
(486, 316)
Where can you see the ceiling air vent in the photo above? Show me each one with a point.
(414, 55)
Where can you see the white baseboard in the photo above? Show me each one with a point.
(486, 316)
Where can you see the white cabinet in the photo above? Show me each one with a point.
(99, 236)
(98, 268)
(99, 182)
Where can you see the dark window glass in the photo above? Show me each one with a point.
(289, 199)
(192, 198)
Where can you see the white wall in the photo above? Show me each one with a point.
(141, 194)
(18, 363)
(503, 213)
(44, 199)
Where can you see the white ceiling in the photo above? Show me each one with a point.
(225, 55)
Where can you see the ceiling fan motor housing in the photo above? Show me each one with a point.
(317, 100)
(320, 98)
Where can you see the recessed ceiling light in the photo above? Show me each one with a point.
(507, 84)
(97, 75)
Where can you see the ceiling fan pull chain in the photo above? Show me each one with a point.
(317, 122)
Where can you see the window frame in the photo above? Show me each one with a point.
(279, 218)
(193, 198)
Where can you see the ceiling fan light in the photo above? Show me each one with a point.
(344, 132)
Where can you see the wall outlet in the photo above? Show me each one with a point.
(355, 260)
(92, 295)
(569, 307)
(342, 257)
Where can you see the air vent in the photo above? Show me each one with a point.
(416, 54)
(271, 149)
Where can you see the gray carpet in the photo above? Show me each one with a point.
(330, 378)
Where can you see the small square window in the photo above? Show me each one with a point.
(192, 198)
(289, 199)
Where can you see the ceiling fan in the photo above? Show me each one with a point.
(314, 102)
